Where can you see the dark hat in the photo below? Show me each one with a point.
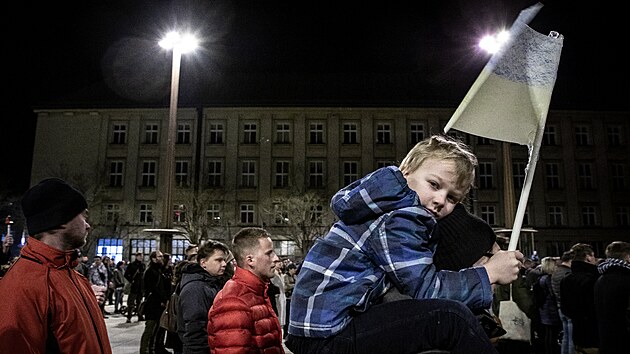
(463, 238)
(51, 203)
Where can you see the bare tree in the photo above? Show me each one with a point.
(196, 222)
(301, 217)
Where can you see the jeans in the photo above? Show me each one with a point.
(147, 341)
(567, 334)
(406, 326)
(118, 298)
(133, 302)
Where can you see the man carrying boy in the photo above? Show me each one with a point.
(384, 240)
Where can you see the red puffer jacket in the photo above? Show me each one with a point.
(241, 320)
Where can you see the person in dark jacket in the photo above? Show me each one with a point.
(578, 301)
(133, 274)
(612, 299)
(200, 283)
(157, 290)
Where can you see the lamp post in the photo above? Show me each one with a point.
(179, 44)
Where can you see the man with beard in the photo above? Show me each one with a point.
(46, 305)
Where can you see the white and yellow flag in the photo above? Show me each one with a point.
(510, 99)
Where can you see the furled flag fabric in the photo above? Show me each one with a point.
(510, 99)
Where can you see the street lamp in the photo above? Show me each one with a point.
(179, 44)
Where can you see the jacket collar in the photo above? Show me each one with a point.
(251, 280)
(49, 256)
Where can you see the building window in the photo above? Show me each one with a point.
(589, 215)
(111, 247)
(350, 133)
(316, 133)
(178, 249)
(613, 133)
(149, 170)
(585, 176)
(248, 174)
(350, 172)
(179, 213)
(214, 214)
(622, 216)
(146, 213)
(583, 135)
(416, 131)
(247, 213)
(184, 133)
(518, 174)
(181, 173)
(283, 133)
(383, 133)
(150, 133)
(119, 134)
(550, 136)
(215, 173)
(116, 173)
(317, 213)
(385, 163)
(249, 133)
(144, 246)
(618, 176)
(216, 133)
(552, 175)
(281, 214)
(488, 214)
(485, 175)
(282, 174)
(316, 174)
(284, 248)
(556, 215)
(112, 213)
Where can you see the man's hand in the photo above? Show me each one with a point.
(503, 266)
(7, 243)
(99, 292)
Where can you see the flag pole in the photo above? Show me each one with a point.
(527, 186)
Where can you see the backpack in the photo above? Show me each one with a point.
(168, 319)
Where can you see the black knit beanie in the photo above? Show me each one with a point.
(51, 203)
(463, 238)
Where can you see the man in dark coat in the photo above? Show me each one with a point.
(133, 274)
(578, 301)
(157, 290)
(612, 297)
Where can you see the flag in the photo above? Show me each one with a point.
(510, 99)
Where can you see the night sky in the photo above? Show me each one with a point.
(60, 49)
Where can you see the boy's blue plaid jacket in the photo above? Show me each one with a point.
(383, 238)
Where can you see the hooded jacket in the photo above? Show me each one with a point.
(241, 320)
(48, 307)
(197, 291)
(383, 239)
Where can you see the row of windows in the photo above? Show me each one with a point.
(113, 247)
(215, 174)
(556, 215)
(350, 133)
(214, 214)
(248, 173)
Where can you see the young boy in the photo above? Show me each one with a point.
(384, 240)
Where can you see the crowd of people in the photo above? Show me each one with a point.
(405, 269)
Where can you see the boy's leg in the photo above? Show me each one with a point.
(406, 326)
(412, 326)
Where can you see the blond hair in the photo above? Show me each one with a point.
(443, 147)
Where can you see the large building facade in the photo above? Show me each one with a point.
(239, 166)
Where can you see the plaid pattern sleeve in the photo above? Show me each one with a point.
(383, 239)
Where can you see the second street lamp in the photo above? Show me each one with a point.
(179, 44)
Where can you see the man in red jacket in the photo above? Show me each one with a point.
(241, 320)
(47, 306)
